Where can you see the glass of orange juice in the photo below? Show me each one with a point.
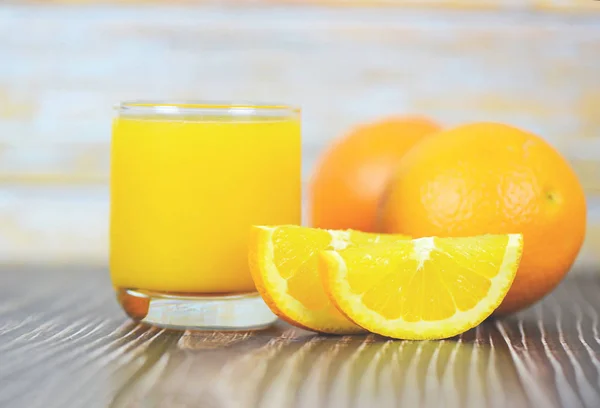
(188, 180)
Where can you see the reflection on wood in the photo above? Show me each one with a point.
(65, 343)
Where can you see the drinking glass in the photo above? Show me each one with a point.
(188, 180)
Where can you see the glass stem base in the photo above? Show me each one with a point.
(246, 311)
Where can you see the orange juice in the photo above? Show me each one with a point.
(186, 187)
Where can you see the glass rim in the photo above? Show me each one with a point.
(206, 108)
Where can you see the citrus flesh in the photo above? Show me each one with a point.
(284, 265)
(426, 288)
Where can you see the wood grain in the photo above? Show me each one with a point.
(65, 343)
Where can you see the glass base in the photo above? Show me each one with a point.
(246, 311)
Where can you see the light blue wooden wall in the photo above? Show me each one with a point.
(63, 67)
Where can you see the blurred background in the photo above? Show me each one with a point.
(65, 64)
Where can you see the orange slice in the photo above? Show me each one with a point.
(284, 265)
(426, 288)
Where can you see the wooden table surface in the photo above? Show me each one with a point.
(65, 343)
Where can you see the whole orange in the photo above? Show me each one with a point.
(493, 178)
(352, 173)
